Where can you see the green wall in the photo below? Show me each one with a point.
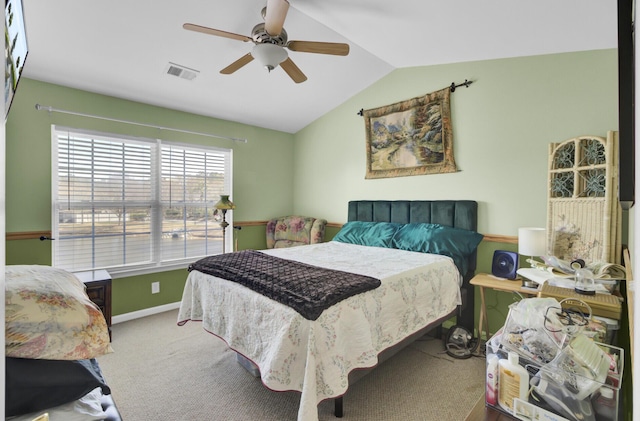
(265, 160)
(502, 126)
(262, 172)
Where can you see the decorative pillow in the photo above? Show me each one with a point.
(34, 385)
(48, 315)
(456, 243)
(374, 234)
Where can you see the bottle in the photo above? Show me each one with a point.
(514, 382)
(604, 404)
(491, 392)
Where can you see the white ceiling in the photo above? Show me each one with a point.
(122, 47)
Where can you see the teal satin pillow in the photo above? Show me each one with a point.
(373, 234)
(456, 243)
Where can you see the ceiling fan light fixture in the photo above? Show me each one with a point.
(269, 55)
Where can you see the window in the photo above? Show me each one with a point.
(134, 205)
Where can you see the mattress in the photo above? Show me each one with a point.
(315, 357)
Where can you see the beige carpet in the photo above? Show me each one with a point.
(161, 371)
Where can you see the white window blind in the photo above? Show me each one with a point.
(134, 205)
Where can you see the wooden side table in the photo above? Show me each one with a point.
(484, 280)
(98, 287)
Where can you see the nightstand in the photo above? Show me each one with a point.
(484, 280)
(98, 287)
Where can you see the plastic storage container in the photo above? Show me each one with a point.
(248, 365)
(612, 327)
(558, 394)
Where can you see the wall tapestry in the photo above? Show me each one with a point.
(411, 137)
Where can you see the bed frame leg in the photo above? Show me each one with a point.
(339, 410)
(438, 332)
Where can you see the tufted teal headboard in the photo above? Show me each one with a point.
(452, 213)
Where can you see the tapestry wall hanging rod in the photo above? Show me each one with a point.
(452, 88)
(466, 84)
(135, 123)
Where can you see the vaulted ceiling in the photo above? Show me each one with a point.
(123, 48)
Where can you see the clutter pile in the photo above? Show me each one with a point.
(545, 363)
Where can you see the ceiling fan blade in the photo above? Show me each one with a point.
(216, 32)
(334, 48)
(275, 16)
(293, 71)
(245, 59)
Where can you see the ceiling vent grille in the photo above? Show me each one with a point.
(181, 71)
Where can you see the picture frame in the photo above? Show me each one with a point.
(411, 137)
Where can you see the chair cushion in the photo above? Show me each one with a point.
(294, 228)
(292, 231)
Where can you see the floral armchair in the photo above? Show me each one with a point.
(289, 231)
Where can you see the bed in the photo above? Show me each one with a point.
(321, 356)
(53, 335)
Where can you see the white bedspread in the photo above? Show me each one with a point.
(315, 357)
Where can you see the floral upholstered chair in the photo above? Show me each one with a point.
(289, 231)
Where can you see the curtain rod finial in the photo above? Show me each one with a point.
(41, 107)
(466, 84)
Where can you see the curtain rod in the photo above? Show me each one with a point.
(153, 126)
(452, 88)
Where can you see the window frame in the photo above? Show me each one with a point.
(156, 204)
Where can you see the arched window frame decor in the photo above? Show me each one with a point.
(584, 213)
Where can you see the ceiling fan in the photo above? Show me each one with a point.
(270, 41)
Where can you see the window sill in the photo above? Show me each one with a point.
(130, 272)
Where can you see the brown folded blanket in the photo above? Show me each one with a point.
(307, 289)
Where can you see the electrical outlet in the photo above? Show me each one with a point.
(155, 287)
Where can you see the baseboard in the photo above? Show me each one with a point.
(143, 313)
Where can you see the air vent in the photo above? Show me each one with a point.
(181, 71)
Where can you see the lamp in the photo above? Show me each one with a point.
(269, 55)
(532, 242)
(224, 204)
